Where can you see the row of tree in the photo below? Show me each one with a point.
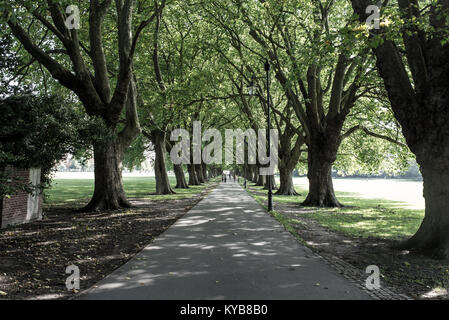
(343, 95)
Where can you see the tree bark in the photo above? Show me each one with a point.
(181, 182)
(109, 193)
(193, 179)
(199, 173)
(260, 181)
(286, 187)
(321, 189)
(432, 237)
(204, 171)
(162, 181)
(254, 173)
(420, 105)
(273, 182)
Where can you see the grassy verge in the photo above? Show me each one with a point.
(361, 233)
(367, 218)
(287, 222)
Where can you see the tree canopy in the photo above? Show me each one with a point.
(344, 96)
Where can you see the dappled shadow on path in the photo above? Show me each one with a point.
(227, 247)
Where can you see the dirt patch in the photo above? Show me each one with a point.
(412, 274)
(34, 257)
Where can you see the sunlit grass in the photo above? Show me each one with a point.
(76, 191)
(377, 218)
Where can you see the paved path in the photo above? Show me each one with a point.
(226, 247)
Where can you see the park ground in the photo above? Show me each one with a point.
(33, 257)
(364, 233)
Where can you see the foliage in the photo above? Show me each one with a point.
(38, 131)
(135, 154)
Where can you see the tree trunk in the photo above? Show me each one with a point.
(204, 170)
(321, 189)
(432, 237)
(420, 106)
(162, 181)
(286, 187)
(199, 173)
(273, 182)
(181, 182)
(254, 173)
(193, 179)
(109, 193)
(260, 181)
(248, 173)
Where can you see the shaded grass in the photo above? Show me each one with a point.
(75, 191)
(376, 218)
(365, 223)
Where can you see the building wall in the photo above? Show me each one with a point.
(22, 207)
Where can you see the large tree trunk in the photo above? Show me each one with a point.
(286, 187)
(193, 179)
(181, 182)
(109, 193)
(421, 107)
(162, 181)
(432, 237)
(321, 189)
(322, 152)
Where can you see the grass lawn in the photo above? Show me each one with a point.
(75, 191)
(378, 218)
(361, 233)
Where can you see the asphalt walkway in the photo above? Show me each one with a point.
(226, 247)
